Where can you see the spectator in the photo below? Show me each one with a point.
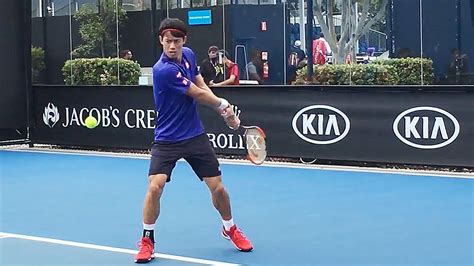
(210, 68)
(253, 66)
(320, 50)
(458, 70)
(231, 68)
(126, 54)
(296, 60)
(405, 53)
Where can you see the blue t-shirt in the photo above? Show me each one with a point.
(177, 112)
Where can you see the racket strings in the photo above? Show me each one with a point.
(256, 145)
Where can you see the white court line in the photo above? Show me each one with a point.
(118, 250)
(267, 164)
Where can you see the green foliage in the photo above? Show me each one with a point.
(409, 70)
(99, 30)
(37, 62)
(100, 71)
(405, 71)
(360, 74)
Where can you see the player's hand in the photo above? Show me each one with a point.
(231, 116)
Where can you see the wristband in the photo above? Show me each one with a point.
(224, 104)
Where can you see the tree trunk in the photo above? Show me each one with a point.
(102, 48)
(352, 26)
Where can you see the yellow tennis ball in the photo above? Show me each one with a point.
(91, 122)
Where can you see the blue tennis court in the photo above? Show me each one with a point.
(76, 209)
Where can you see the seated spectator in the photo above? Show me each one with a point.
(126, 54)
(231, 68)
(210, 68)
(252, 69)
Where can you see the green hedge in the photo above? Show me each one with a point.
(360, 74)
(409, 70)
(37, 62)
(100, 71)
(381, 72)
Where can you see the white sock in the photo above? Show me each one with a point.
(148, 226)
(228, 224)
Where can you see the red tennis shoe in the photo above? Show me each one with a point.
(146, 252)
(237, 238)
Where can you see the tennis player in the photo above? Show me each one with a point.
(179, 133)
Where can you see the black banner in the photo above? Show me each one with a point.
(14, 66)
(419, 125)
(125, 115)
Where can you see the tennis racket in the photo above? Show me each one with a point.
(254, 136)
(255, 144)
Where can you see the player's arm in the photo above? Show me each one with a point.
(206, 97)
(221, 105)
(199, 81)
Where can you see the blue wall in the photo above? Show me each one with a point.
(244, 29)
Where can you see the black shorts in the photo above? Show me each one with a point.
(197, 151)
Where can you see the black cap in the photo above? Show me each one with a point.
(213, 48)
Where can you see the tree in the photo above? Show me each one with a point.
(37, 62)
(353, 25)
(99, 29)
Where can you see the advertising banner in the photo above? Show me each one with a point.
(432, 126)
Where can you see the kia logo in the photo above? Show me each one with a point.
(321, 124)
(426, 127)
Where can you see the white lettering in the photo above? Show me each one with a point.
(105, 117)
(410, 127)
(332, 124)
(151, 114)
(228, 141)
(222, 141)
(232, 144)
(439, 126)
(307, 124)
(320, 124)
(74, 117)
(66, 122)
(115, 113)
(254, 142)
(425, 127)
(140, 123)
(127, 113)
(95, 113)
(83, 116)
(212, 139)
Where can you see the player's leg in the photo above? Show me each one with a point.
(221, 201)
(151, 206)
(203, 160)
(163, 160)
(151, 211)
(219, 195)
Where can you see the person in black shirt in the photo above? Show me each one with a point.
(210, 68)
